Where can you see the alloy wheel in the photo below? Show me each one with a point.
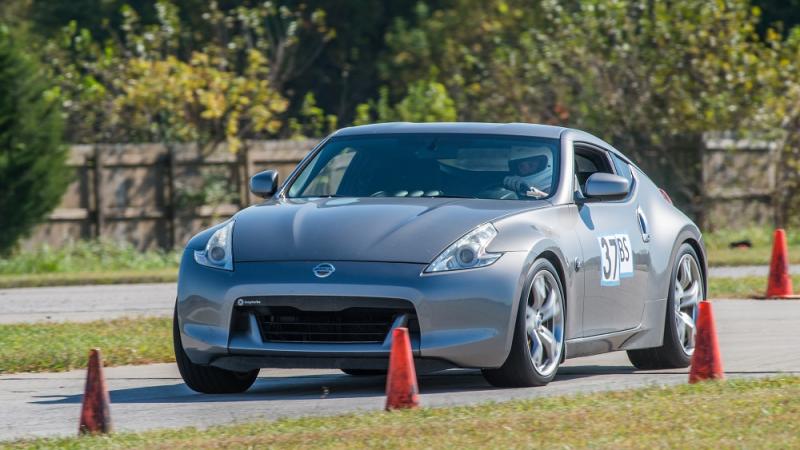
(688, 292)
(544, 323)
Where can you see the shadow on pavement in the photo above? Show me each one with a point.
(272, 388)
(288, 388)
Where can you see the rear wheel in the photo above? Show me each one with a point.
(687, 289)
(538, 345)
(208, 379)
(364, 372)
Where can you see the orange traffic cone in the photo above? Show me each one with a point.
(401, 382)
(95, 411)
(779, 284)
(706, 360)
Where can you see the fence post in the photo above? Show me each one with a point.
(99, 213)
(244, 176)
(169, 160)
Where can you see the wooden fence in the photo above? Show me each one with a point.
(156, 196)
(739, 183)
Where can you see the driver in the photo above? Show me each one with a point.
(531, 171)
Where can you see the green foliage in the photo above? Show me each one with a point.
(33, 174)
(425, 101)
(311, 120)
(220, 80)
(170, 100)
(650, 77)
(87, 256)
(784, 14)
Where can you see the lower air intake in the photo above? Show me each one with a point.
(354, 325)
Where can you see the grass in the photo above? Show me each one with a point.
(744, 287)
(87, 262)
(755, 256)
(83, 278)
(87, 256)
(720, 253)
(763, 413)
(54, 347)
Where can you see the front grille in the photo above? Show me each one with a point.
(358, 324)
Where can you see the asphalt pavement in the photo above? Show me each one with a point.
(86, 303)
(746, 271)
(757, 338)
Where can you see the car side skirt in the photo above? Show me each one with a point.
(649, 333)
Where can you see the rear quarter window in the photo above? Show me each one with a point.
(622, 168)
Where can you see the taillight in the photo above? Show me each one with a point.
(665, 195)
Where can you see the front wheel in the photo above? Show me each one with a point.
(538, 345)
(686, 291)
(208, 379)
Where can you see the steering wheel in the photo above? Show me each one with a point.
(497, 192)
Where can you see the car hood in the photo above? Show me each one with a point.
(412, 230)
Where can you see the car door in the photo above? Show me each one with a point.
(615, 253)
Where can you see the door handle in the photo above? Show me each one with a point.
(644, 227)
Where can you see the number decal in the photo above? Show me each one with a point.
(625, 258)
(616, 259)
(606, 256)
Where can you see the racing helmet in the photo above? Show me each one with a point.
(527, 161)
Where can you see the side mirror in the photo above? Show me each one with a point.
(264, 184)
(606, 186)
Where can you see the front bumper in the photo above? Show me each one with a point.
(465, 318)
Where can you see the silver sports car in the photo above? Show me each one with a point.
(504, 247)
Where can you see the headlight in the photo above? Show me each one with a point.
(468, 252)
(217, 253)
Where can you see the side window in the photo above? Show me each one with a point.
(623, 169)
(589, 160)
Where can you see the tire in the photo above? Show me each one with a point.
(208, 379)
(519, 369)
(364, 372)
(671, 354)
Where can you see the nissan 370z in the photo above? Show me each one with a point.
(502, 247)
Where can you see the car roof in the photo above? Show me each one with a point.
(511, 129)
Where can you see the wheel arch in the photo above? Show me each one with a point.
(548, 251)
(690, 234)
(558, 264)
(699, 248)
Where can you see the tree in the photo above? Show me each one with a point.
(425, 101)
(174, 101)
(339, 74)
(220, 80)
(783, 13)
(650, 77)
(33, 175)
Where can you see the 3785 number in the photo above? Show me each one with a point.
(615, 254)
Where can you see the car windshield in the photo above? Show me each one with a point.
(432, 165)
